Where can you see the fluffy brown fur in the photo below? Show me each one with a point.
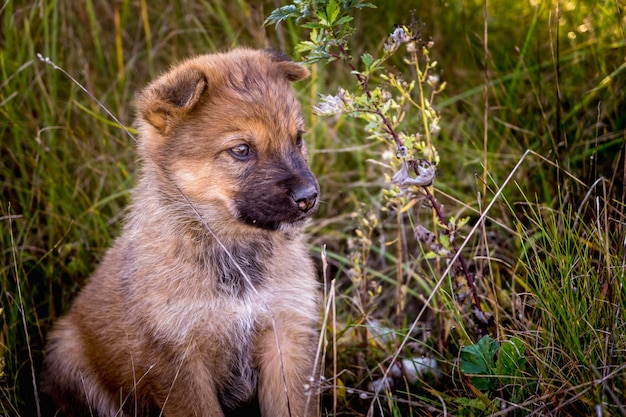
(206, 304)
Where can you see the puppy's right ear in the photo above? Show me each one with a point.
(292, 70)
(167, 100)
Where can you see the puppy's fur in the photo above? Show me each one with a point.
(206, 304)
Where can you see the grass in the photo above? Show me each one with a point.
(546, 156)
(578, 296)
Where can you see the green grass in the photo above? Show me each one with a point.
(549, 256)
(576, 272)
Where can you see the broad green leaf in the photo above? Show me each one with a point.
(332, 11)
(479, 359)
(512, 359)
(312, 25)
(343, 20)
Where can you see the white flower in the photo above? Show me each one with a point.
(396, 38)
(432, 80)
(425, 175)
(434, 128)
(387, 155)
(330, 105)
(398, 35)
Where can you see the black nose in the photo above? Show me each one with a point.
(305, 197)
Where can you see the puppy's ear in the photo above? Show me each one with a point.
(292, 70)
(167, 100)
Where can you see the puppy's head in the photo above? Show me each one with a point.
(226, 129)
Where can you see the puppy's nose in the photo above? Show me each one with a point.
(305, 197)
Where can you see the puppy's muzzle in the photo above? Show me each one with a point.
(305, 197)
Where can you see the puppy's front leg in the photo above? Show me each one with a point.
(190, 391)
(286, 355)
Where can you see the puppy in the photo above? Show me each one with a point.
(206, 305)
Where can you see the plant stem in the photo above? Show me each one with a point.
(464, 268)
(422, 107)
(420, 74)
(400, 294)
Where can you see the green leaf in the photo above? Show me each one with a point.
(332, 11)
(430, 255)
(281, 14)
(305, 46)
(367, 60)
(312, 25)
(364, 5)
(444, 240)
(479, 359)
(512, 359)
(356, 4)
(462, 222)
(343, 20)
(468, 404)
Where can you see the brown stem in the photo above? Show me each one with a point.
(464, 268)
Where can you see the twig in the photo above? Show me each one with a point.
(464, 268)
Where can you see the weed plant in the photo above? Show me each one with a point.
(526, 141)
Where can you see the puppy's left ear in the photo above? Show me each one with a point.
(167, 101)
(292, 70)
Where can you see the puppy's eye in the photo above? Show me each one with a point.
(241, 152)
(299, 140)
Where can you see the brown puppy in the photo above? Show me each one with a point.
(206, 304)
